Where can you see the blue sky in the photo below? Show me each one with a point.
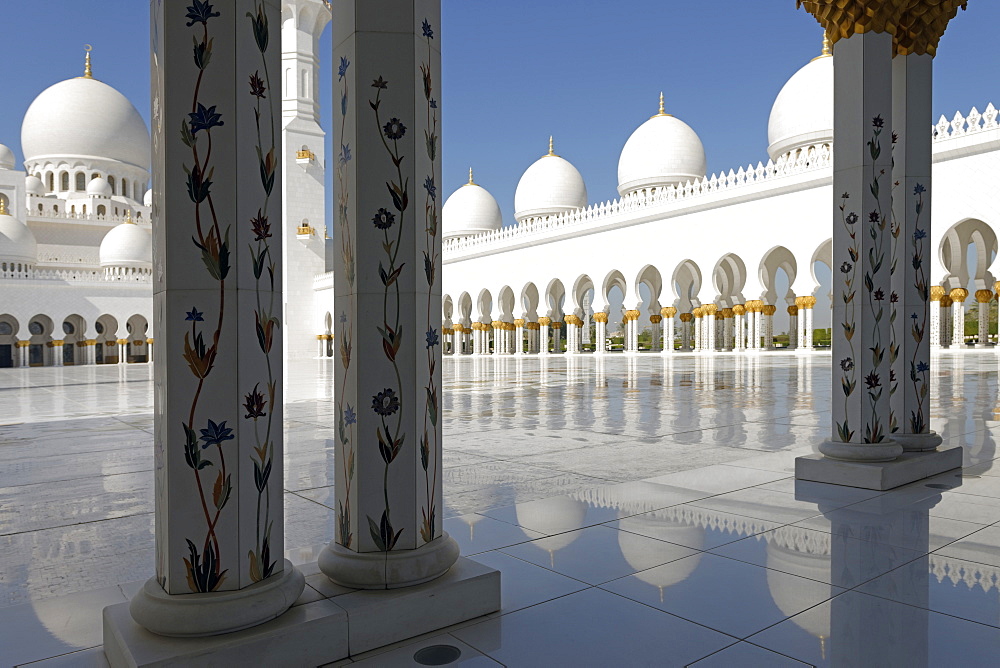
(516, 71)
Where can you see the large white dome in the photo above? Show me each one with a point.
(470, 210)
(7, 158)
(550, 186)
(127, 245)
(17, 243)
(84, 118)
(662, 151)
(802, 114)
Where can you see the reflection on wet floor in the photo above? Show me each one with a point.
(638, 507)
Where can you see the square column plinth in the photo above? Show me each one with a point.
(908, 467)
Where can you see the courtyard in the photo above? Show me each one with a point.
(641, 508)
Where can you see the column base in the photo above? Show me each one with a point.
(885, 451)
(388, 570)
(918, 442)
(215, 613)
(985, 345)
(908, 467)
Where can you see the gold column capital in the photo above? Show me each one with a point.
(710, 309)
(946, 301)
(793, 310)
(23, 344)
(809, 301)
(937, 292)
(984, 296)
(544, 321)
(632, 314)
(556, 324)
(958, 294)
(686, 317)
(600, 316)
(769, 309)
(739, 309)
(668, 311)
(519, 322)
(726, 313)
(655, 319)
(533, 326)
(698, 312)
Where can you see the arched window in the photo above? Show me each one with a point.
(102, 210)
(111, 182)
(51, 181)
(64, 181)
(81, 181)
(39, 209)
(55, 209)
(95, 175)
(72, 208)
(124, 187)
(85, 209)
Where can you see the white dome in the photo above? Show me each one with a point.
(99, 187)
(34, 186)
(470, 210)
(550, 186)
(84, 118)
(7, 159)
(127, 245)
(802, 114)
(147, 198)
(17, 243)
(662, 151)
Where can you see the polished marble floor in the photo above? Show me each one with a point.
(641, 510)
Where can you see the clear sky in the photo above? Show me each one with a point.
(515, 71)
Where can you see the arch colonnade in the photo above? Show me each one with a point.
(41, 342)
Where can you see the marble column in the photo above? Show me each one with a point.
(122, 351)
(556, 337)
(793, 327)
(573, 339)
(983, 298)
(89, 351)
(655, 321)
(668, 313)
(807, 322)
(388, 260)
(532, 329)
(727, 329)
(22, 355)
(996, 295)
(862, 236)
(912, 255)
(958, 297)
(698, 315)
(519, 336)
(601, 329)
(937, 292)
(631, 343)
(149, 350)
(739, 316)
(543, 335)
(57, 353)
(946, 320)
(768, 311)
(686, 319)
(711, 310)
(218, 444)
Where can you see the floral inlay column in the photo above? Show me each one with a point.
(388, 276)
(217, 307)
(862, 240)
(909, 301)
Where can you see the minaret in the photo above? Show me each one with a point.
(304, 212)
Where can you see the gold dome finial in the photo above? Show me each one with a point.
(661, 112)
(128, 217)
(471, 182)
(551, 152)
(87, 72)
(3, 207)
(827, 48)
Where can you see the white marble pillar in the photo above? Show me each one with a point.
(631, 339)
(557, 337)
(389, 500)
(122, 347)
(793, 327)
(668, 313)
(601, 330)
(699, 317)
(983, 298)
(57, 353)
(739, 317)
(543, 335)
(519, 336)
(768, 311)
(912, 255)
(218, 444)
(946, 320)
(89, 351)
(861, 215)
(935, 316)
(958, 297)
(807, 323)
(655, 321)
(710, 329)
(686, 325)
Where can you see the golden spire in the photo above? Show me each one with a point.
(661, 112)
(87, 72)
(551, 151)
(128, 217)
(471, 182)
(3, 207)
(827, 50)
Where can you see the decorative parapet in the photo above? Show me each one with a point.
(92, 276)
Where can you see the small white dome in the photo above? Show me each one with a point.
(662, 151)
(7, 159)
(802, 114)
(81, 118)
(550, 186)
(17, 243)
(147, 199)
(34, 186)
(470, 210)
(99, 187)
(127, 245)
